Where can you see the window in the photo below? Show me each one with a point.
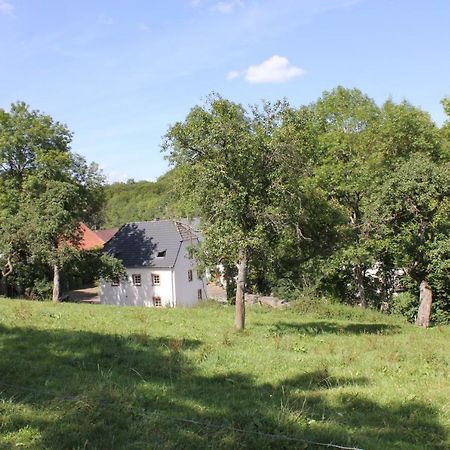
(155, 279)
(136, 277)
(189, 275)
(199, 294)
(161, 254)
(115, 282)
(157, 301)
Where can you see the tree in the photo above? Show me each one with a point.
(47, 191)
(27, 139)
(410, 219)
(237, 180)
(361, 145)
(344, 171)
(301, 248)
(51, 211)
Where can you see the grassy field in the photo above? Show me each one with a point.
(100, 377)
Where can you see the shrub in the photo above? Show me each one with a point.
(405, 304)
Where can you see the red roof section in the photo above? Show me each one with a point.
(89, 239)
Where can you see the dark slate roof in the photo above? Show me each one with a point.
(194, 225)
(138, 244)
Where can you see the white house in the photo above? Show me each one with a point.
(159, 268)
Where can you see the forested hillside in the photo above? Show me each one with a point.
(141, 200)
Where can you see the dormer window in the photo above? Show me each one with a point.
(161, 254)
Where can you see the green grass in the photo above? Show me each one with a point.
(100, 377)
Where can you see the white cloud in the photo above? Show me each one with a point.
(233, 74)
(227, 7)
(6, 8)
(276, 69)
(195, 3)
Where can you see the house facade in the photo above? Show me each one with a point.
(160, 270)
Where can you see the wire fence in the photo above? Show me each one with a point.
(54, 395)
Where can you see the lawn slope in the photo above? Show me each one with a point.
(100, 377)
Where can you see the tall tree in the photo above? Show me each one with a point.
(410, 217)
(47, 189)
(344, 170)
(51, 212)
(235, 179)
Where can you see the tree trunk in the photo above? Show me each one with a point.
(55, 297)
(359, 273)
(240, 290)
(426, 299)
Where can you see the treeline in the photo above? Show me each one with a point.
(344, 197)
(141, 200)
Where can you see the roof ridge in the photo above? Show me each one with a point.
(185, 231)
(149, 221)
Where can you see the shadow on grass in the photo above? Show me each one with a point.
(321, 379)
(322, 327)
(81, 390)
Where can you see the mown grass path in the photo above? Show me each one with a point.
(99, 377)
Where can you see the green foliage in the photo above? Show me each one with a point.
(404, 130)
(243, 172)
(89, 266)
(405, 304)
(439, 278)
(30, 141)
(225, 175)
(410, 214)
(321, 194)
(46, 192)
(144, 200)
(42, 289)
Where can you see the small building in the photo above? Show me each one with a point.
(160, 268)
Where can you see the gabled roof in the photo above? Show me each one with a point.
(89, 239)
(106, 235)
(149, 244)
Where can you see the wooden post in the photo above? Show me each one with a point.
(55, 297)
(240, 290)
(426, 299)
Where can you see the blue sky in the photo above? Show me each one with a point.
(120, 72)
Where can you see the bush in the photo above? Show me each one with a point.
(42, 289)
(286, 290)
(405, 304)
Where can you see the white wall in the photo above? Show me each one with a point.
(126, 294)
(186, 292)
(175, 289)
